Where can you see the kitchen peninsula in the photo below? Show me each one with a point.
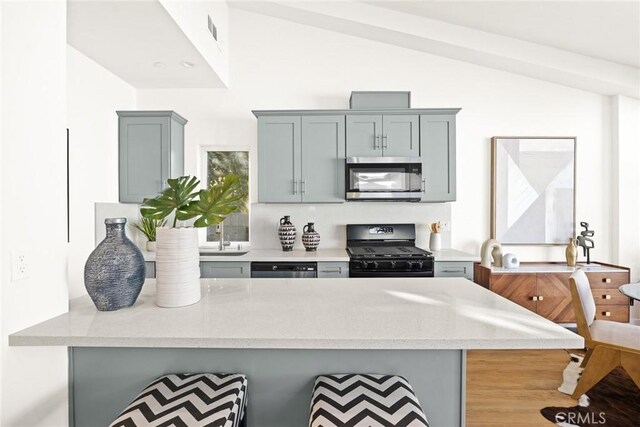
(282, 333)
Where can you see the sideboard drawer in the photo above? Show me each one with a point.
(608, 280)
(609, 297)
(617, 313)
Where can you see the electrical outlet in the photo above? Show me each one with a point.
(19, 265)
(445, 226)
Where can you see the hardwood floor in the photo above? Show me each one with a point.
(508, 388)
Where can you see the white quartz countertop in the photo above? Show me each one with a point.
(454, 255)
(336, 255)
(258, 255)
(379, 313)
(556, 268)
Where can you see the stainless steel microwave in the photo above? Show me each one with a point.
(384, 179)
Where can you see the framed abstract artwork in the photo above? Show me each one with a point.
(533, 190)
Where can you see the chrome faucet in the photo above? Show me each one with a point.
(222, 243)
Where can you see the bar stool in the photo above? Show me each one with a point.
(188, 400)
(361, 400)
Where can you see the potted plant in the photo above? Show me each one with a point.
(148, 227)
(177, 257)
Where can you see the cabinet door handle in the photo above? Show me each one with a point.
(606, 313)
(303, 185)
(376, 141)
(606, 280)
(332, 270)
(459, 270)
(534, 298)
(606, 296)
(295, 186)
(385, 142)
(424, 185)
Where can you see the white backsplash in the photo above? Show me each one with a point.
(329, 219)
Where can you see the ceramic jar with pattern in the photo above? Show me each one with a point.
(286, 233)
(310, 237)
(115, 270)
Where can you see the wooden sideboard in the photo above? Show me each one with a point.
(544, 289)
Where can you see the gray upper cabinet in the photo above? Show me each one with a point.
(400, 136)
(323, 159)
(151, 150)
(301, 153)
(364, 133)
(438, 152)
(279, 145)
(383, 135)
(301, 159)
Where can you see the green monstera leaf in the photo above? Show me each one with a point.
(174, 198)
(214, 204)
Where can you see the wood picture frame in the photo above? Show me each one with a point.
(533, 189)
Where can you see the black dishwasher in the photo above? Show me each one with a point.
(288, 270)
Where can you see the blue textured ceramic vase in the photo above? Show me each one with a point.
(115, 271)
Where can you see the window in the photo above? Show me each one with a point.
(219, 163)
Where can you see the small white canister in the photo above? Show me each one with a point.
(435, 242)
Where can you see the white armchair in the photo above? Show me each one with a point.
(610, 344)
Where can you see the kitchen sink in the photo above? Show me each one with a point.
(222, 253)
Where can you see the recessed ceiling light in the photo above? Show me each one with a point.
(158, 64)
(187, 64)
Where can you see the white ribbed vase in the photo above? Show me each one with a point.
(177, 267)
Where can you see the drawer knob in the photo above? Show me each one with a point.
(606, 313)
(534, 298)
(606, 296)
(606, 280)
(540, 298)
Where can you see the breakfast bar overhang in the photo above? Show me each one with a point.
(282, 333)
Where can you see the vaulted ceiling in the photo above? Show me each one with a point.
(590, 45)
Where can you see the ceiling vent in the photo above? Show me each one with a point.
(212, 28)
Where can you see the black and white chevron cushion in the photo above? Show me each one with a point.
(193, 400)
(360, 400)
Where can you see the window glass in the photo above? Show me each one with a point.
(220, 164)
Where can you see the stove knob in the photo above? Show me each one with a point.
(364, 264)
(393, 264)
(374, 265)
(420, 264)
(409, 265)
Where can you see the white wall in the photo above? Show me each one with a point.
(34, 380)
(2, 256)
(94, 96)
(297, 66)
(625, 206)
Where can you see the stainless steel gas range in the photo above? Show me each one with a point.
(386, 250)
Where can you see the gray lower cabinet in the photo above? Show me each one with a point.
(438, 153)
(392, 135)
(151, 150)
(328, 269)
(225, 269)
(301, 159)
(453, 269)
(151, 269)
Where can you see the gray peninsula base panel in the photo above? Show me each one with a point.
(105, 380)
